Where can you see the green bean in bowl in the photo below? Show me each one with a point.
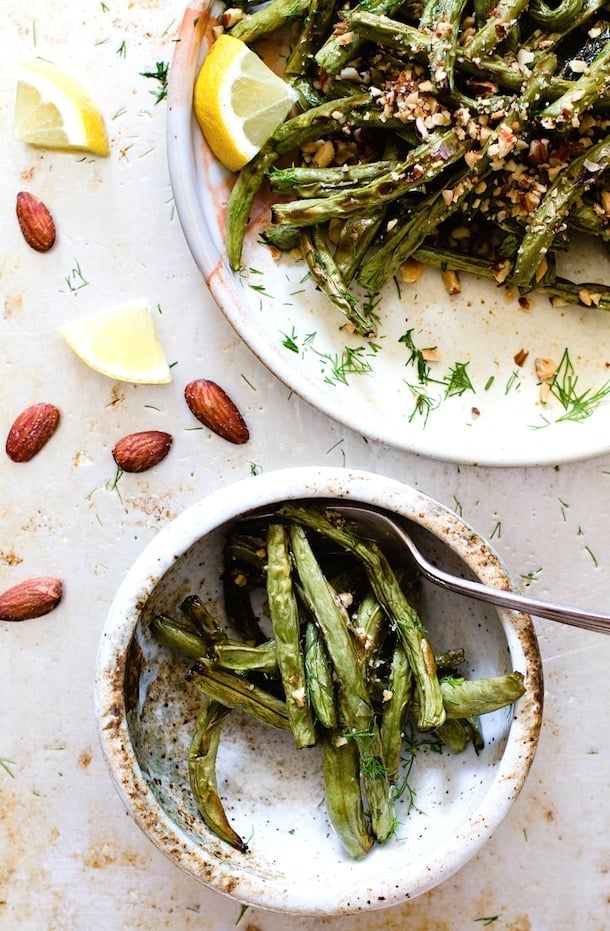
(345, 664)
(279, 699)
(468, 136)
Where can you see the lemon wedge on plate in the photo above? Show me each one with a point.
(54, 111)
(120, 342)
(238, 101)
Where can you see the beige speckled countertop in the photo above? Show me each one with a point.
(70, 858)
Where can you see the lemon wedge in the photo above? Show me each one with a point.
(54, 111)
(120, 342)
(238, 101)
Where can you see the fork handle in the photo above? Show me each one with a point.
(576, 617)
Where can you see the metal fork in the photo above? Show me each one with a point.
(379, 526)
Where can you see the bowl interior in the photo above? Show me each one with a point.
(273, 793)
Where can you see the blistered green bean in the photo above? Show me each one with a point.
(284, 612)
(202, 757)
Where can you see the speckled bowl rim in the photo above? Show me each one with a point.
(160, 555)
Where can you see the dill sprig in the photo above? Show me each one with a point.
(417, 357)
(458, 381)
(578, 405)
(160, 75)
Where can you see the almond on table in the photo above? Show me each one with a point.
(30, 599)
(35, 222)
(138, 452)
(31, 430)
(213, 407)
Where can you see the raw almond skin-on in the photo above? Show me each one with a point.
(31, 430)
(213, 407)
(30, 599)
(138, 452)
(35, 221)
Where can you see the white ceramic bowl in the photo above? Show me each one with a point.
(272, 792)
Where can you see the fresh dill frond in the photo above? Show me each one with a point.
(161, 75)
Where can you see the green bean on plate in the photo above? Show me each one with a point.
(454, 128)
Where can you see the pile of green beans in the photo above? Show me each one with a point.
(339, 657)
(459, 133)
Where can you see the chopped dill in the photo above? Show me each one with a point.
(6, 766)
(592, 555)
(577, 405)
(417, 357)
(423, 405)
(512, 383)
(76, 280)
(350, 362)
(290, 341)
(458, 381)
(160, 75)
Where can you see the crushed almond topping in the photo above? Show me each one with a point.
(231, 16)
(451, 280)
(588, 298)
(542, 269)
(299, 697)
(346, 39)
(325, 155)
(345, 599)
(500, 270)
(411, 271)
(520, 357)
(545, 368)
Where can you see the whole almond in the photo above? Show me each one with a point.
(31, 430)
(138, 452)
(29, 599)
(36, 222)
(213, 407)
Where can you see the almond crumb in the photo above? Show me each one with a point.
(451, 280)
(545, 368)
(411, 271)
(520, 357)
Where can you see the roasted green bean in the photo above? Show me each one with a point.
(284, 613)
(202, 772)
(346, 665)
(461, 93)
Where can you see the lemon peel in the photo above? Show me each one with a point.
(238, 101)
(54, 111)
(120, 342)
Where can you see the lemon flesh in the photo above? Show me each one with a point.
(54, 111)
(238, 101)
(120, 342)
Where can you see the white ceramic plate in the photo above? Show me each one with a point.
(297, 334)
